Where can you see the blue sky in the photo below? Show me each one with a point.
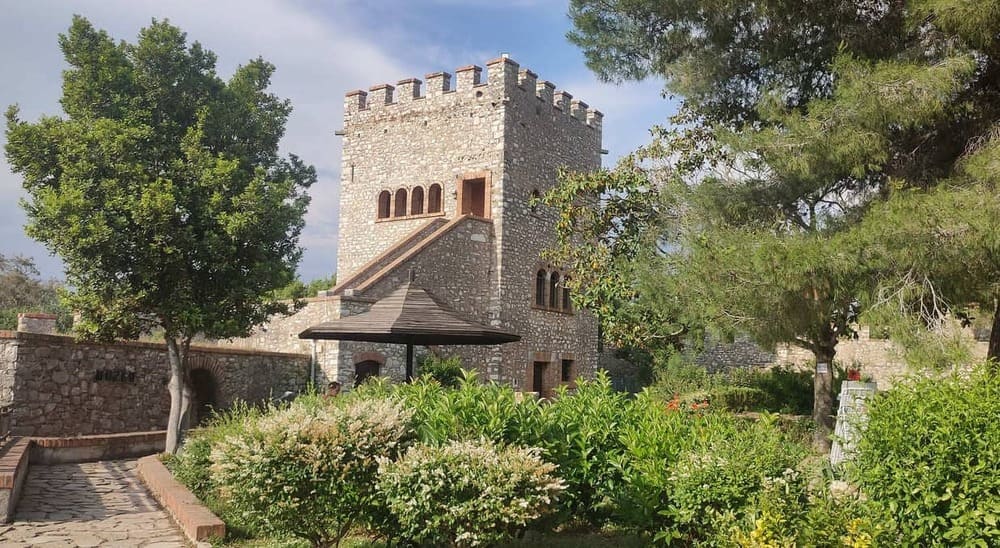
(321, 49)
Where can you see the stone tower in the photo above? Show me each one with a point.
(438, 180)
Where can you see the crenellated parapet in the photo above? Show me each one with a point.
(504, 79)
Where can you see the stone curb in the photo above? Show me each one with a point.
(13, 470)
(198, 522)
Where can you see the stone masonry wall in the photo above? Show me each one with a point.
(397, 138)
(879, 359)
(61, 388)
(514, 131)
(545, 130)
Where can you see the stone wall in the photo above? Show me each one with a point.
(545, 130)
(507, 128)
(878, 359)
(62, 388)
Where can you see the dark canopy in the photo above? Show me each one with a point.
(410, 316)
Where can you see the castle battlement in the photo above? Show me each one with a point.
(504, 78)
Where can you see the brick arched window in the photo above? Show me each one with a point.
(567, 303)
(540, 281)
(434, 199)
(384, 204)
(554, 288)
(417, 201)
(399, 209)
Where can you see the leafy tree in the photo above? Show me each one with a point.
(163, 191)
(22, 291)
(801, 122)
(297, 289)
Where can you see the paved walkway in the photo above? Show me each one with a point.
(89, 504)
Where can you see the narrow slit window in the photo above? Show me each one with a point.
(417, 201)
(434, 199)
(540, 288)
(567, 370)
(400, 206)
(384, 204)
(554, 288)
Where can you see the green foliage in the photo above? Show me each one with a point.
(928, 458)
(789, 164)
(297, 289)
(776, 389)
(22, 291)
(466, 493)
(162, 188)
(579, 432)
(691, 475)
(445, 370)
(163, 191)
(721, 57)
(192, 464)
(310, 470)
(473, 411)
(605, 223)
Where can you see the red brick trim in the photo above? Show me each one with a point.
(198, 522)
(13, 459)
(99, 439)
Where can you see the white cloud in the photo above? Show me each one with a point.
(320, 49)
(318, 57)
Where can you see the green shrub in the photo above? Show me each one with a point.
(690, 476)
(309, 470)
(777, 389)
(579, 432)
(472, 411)
(928, 459)
(191, 464)
(741, 398)
(466, 493)
(447, 371)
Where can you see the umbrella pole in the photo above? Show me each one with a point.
(409, 362)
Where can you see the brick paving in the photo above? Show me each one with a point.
(89, 504)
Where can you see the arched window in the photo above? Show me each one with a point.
(417, 201)
(384, 203)
(400, 206)
(567, 303)
(540, 288)
(434, 199)
(554, 288)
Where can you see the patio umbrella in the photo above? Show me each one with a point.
(411, 316)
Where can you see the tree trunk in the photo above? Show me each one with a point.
(177, 356)
(993, 351)
(823, 397)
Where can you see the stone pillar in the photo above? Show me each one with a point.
(36, 322)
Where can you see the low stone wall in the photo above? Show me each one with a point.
(97, 448)
(14, 464)
(194, 518)
(881, 360)
(59, 387)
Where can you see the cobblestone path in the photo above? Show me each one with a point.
(89, 504)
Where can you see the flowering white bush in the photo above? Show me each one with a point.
(310, 471)
(466, 493)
